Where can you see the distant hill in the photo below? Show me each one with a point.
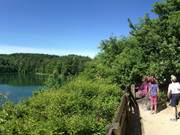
(38, 63)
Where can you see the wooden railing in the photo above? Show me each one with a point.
(122, 119)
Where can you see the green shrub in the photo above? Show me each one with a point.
(79, 107)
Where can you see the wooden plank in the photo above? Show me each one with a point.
(122, 123)
(120, 109)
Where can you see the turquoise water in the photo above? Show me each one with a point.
(18, 87)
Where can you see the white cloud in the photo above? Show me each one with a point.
(8, 49)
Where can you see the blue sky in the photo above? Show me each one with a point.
(64, 27)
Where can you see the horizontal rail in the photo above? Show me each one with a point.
(121, 120)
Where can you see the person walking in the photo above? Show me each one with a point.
(143, 89)
(154, 92)
(174, 95)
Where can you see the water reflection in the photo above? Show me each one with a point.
(22, 80)
(17, 87)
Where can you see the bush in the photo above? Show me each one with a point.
(79, 107)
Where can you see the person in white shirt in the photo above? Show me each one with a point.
(174, 95)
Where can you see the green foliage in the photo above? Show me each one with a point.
(79, 107)
(88, 102)
(124, 67)
(162, 100)
(66, 68)
(152, 49)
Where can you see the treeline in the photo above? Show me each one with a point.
(87, 103)
(152, 48)
(41, 63)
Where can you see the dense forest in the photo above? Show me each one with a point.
(87, 103)
(41, 63)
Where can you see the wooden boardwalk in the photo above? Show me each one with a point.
(158, 124)
(133, 118)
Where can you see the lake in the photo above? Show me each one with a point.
(18, 86)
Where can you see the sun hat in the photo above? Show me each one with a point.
(173, 78)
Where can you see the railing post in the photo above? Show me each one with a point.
(133, 90)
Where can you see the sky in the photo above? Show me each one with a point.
(64, 27)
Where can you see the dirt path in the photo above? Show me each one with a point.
(159, 124)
